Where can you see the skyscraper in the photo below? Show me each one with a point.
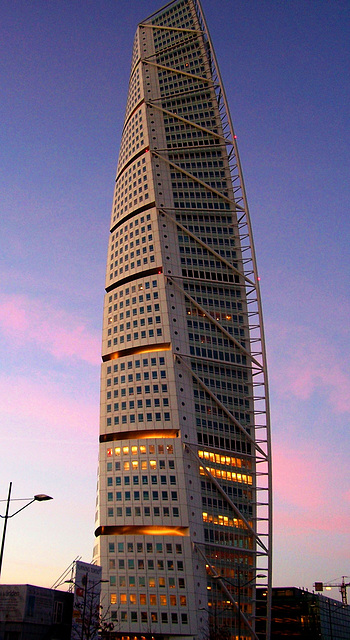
(183, 518)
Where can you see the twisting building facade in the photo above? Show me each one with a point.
(184, 513)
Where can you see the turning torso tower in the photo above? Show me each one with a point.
(183, 524)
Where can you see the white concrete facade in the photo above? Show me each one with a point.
(184, 481)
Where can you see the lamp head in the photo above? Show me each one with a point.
(41, 497)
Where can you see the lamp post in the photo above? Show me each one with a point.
(216, 615)
(84, 582)
(238, 586)
(40, 497)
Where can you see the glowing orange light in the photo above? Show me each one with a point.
(151, 530)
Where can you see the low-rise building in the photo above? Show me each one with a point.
(301, 614)
(28, 612)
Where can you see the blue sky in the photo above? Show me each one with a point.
(64, 69)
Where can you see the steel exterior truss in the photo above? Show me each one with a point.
(236, 198)
(227, 592)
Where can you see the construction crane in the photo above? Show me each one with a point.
(329, 585)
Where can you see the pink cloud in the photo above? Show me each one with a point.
(58, 332)
(311, 523)
(45, 404)
(308, 492)
(302, 362)
(295, 475)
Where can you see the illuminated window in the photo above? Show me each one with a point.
(113, 598)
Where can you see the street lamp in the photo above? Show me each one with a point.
(238, 586)
(40, 497)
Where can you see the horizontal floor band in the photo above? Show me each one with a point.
(149, 348)
(132, 214)
(135, 276)
(139, 435)
(141, 530)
